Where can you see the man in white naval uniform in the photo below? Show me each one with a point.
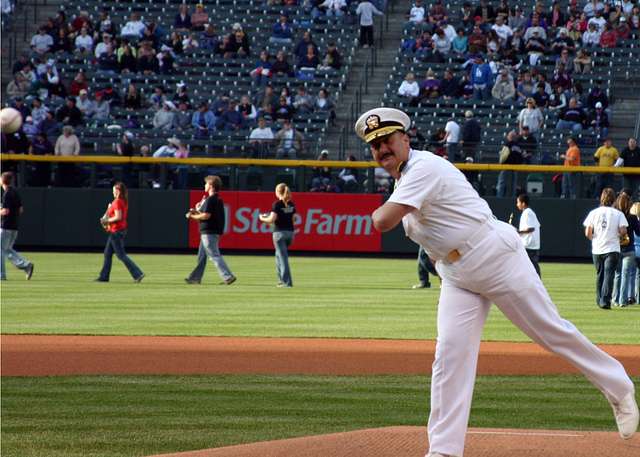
(481, 261)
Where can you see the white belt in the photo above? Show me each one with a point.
(472, 241)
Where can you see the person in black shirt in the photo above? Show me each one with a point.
(281, 216)
(511, 154)
(630, 157)
(209, 212)
(10, 212)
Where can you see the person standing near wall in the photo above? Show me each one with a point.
(366, 10)
(281, 216)
(604, 226)
(10, 212)
(425, 266)
(209, 212)
(529, 230)
(114, 222)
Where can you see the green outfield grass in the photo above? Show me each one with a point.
(331, 297)
(137, 416)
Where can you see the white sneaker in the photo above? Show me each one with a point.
(435, 454)
(627, 415)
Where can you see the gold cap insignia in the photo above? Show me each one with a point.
(373, 122)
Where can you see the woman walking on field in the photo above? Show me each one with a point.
(281, 216)
(114, 222)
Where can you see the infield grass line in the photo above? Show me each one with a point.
(332, 298)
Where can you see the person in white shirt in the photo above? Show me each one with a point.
(261, 139)
(134, 27)
(503, 30)
(599, 21)
(591, 36)
(604, 226)
(102, 47)
(366, 11)
(84, 42)
(481, 261)
(409, 87)
(41, 42)
(334, 7)
(529, 230)
(417, 13)
(452, 139)
(531, 116)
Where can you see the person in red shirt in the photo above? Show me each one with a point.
(609, 38)
(114, 222)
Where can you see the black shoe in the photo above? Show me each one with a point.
(230, 281)
(421, 285)
(605, 307)
(29, 271)
(100, 280)
(139, 278)
(191, 281)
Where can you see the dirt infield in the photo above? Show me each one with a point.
(30, 355)
(412, 441)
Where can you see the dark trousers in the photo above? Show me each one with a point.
(366, 35)
(534, 256)
(602, 181)
(425, 267)
(606, 265)
(115, 245)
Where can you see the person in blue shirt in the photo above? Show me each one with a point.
(481, 78)
(203, 120)
(282, 33)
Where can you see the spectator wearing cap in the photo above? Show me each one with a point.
(163, 119)
(203, 120)
(541, 97)
(41, 42)
(199, 18)
(599, 121)
(105, 24)
(103, 45)
(103, 108)
(571, 159)
(529, 146)
(535, 47)
(471, 135)
(282, 33)
(477, 40)
(290, 142)
(630, 157)
(86, 106)
(182, 118)
(563, 42)
(182, 20)
(503, 89)
(605, 156)
(531, 116)
(623, 30)
(157, 98)
(366, 11)
(597, 95)
(481, 78)
(69, 114)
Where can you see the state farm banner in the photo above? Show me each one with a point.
(324, 221)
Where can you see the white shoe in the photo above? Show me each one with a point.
(627, 415)
(435, 454)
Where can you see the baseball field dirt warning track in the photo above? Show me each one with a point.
(29, 355)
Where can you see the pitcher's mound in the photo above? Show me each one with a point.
(412, 442)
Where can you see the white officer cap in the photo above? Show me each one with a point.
(381, 122)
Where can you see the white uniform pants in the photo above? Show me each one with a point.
(495, 268)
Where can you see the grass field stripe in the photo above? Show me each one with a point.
(525, 434)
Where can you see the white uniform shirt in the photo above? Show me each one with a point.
(453, 129)
(448, 211)
(416, 14)
(528, 220)
(606, 222)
